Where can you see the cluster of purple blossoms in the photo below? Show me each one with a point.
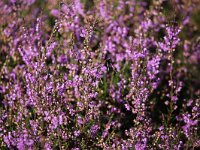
(99, 74)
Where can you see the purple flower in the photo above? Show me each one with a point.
(94, 129)
(62, 59)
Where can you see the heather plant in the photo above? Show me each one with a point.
(104, 74)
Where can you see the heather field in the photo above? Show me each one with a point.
(99, 74)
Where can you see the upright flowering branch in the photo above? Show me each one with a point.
(168, 46)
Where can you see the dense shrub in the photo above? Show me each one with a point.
(99, 74)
